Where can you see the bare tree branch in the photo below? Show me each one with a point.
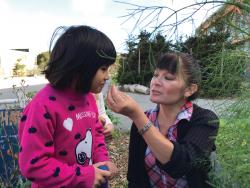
(146, 16)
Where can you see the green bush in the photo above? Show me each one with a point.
(233, 144)
(42, 61)
(138, 65)
(19, 69)
(223, 74)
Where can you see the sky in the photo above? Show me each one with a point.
(30, 24)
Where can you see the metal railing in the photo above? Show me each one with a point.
(9, 146)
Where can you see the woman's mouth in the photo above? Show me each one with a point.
(155, 92)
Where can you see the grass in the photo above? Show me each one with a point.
(233, 153)
(233, 148)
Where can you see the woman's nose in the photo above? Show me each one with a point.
(156, 81)
(159, 79)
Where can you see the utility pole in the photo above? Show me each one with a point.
(139, 62)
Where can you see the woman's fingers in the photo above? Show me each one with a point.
(122, 103)
(110, 99)
(113, 99)
(116, 95)
(118, 101)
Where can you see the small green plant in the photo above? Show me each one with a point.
(23, 96)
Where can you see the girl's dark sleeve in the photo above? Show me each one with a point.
(192, 151)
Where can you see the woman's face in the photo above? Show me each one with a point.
(99, 79)
(167, 88)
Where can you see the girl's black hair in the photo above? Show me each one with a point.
(76, 56)
(182, 63)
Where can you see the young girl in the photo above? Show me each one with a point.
(61, 138)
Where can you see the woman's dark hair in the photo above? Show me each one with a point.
(77, 55)
(183, 65)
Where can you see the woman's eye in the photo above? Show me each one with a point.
(168, 78)
(155, 75)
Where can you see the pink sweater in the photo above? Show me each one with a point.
(60, 138)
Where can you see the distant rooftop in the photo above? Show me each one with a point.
(21, 49)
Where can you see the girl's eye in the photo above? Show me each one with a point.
(104, 68)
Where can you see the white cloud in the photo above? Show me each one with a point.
(27, 31)
(4, 7)
(24, 29)
(33, 30)
(89, 9)
(4, 10)
(95, 14)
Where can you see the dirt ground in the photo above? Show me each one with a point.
(118, 150)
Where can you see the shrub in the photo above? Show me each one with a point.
(223, 74)
(19, 69)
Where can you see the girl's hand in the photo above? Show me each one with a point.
(112, 168)
(123, 104)
(102, 120)
(108, 129)
(101, 175)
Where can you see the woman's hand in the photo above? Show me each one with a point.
(123, 104)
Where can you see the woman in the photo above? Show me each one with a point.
(171, 143)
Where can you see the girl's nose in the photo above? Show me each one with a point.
(107, 76)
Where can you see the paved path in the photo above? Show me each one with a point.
(9, 82)
(218, 106)
(124, 122)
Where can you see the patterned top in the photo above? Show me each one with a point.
(159, 178)
(60, 138)
(195, 140)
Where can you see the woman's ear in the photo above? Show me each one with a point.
(190, 90)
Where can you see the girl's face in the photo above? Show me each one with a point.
(99, 79)
(167, 88)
